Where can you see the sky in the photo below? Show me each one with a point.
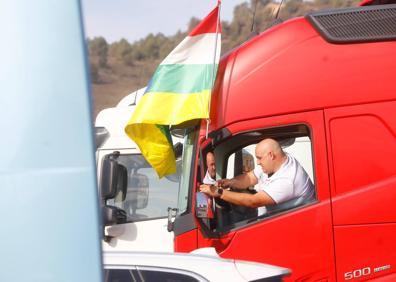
(135, 19)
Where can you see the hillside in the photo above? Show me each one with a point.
(119, 68)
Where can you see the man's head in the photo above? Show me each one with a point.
(247, 161)
(269, 155)
(211, 164)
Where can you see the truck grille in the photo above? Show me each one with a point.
(362, 24)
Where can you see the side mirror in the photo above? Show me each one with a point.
(108, 180)
(113, 180)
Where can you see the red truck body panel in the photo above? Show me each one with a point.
(291, 68)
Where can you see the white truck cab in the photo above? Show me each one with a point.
(140, 209)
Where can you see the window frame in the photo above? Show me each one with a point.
(257, 134)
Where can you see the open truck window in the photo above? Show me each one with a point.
(236, 155)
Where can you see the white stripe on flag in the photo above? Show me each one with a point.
(195, 50)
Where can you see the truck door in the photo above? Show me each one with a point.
(297, 236)
(363, 180)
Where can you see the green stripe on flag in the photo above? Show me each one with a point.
(182, 78)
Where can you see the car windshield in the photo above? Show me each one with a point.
(187, 173)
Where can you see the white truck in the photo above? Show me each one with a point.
(136, 216)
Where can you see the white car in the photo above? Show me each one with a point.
(192, 267)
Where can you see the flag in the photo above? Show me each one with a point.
(179, 91)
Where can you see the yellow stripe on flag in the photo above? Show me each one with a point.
(184, 107)
(154, 146)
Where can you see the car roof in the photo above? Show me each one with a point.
(212, 267)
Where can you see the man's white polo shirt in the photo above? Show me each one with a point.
(288, 182)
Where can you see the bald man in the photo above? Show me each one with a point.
(279, 175)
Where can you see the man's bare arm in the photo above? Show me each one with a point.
(242, 199)
(247, 200)
(241, 182)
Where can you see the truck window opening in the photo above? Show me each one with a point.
(236, 155)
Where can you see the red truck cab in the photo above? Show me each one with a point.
(324, 86)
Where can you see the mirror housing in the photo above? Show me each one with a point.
(113, 184)
(113, 179)
(109, 177)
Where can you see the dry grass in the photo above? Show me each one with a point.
(118, 81)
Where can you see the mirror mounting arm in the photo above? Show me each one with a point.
(107, 238)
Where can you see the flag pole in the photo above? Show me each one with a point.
(214, 67)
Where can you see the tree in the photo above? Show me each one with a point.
(240, 27)
(98, 48)
(120, 48)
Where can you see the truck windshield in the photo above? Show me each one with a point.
(187, 174)
(147, 196)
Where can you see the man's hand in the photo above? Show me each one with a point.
(224, 183)
(240, 182)
(210, 190)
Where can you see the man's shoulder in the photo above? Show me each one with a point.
(292, 161)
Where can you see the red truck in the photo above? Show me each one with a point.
(323, 85)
